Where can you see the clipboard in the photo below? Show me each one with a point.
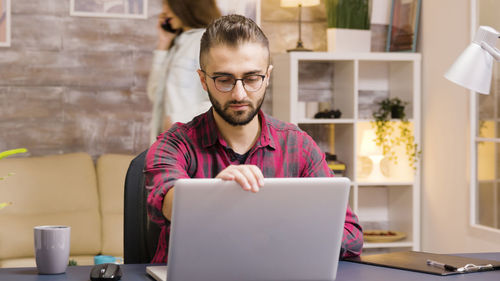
(417, 261)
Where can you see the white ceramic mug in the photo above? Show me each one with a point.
(52, 243)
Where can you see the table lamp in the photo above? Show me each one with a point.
(473, 68)
(370, 149)
(300, 4)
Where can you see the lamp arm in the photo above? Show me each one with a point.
(491, 50)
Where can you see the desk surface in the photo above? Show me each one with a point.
(347, 271)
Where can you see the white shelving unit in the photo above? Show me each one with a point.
(307, 82)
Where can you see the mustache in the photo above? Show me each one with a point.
(234, 102)
(245, 102)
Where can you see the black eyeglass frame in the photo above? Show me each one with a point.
(262, 76)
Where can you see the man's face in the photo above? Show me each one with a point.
(247, 61)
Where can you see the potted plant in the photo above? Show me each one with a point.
(385, 127)
(3, 155)
(348, 25)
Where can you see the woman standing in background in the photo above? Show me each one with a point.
(173, 84)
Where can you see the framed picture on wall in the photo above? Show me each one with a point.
(403, 26)
(4, 23)
(109, 8)
(248, 8)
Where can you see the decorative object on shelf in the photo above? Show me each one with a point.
(336, 166)
(382, 236)
(4, 23)
(3, 155)
(403, 26)
(394, 108)
(473, 68)
(299, 4)
(348, 25)
(109, 8)
(328, 114)
(370, 149)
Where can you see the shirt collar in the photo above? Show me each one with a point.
(214, 136)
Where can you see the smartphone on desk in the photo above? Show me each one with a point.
(167, 27)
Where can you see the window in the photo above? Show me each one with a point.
(485, 133)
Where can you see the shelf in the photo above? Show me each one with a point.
(305, 83)
(392, 120)
(385, 183)
(479, 139)
(369, 56)
(398, 244)
(325, 121)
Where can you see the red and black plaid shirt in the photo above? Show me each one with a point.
(197, 150)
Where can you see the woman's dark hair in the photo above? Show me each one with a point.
(195, 13)
(231, 31)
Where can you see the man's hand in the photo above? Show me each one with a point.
(248, 176)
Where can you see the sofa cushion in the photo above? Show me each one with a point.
(111, 172)
(49, 190)
(30, 262)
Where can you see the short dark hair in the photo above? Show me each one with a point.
(194, 13)
(231, 30)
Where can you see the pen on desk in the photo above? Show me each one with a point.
(473, 268)
(441, 265)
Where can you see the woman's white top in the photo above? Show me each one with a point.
(174, 86)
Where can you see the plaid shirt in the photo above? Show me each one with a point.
(197, 150)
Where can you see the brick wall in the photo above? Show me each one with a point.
(72, 84)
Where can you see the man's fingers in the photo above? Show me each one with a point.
(241, 180)
(225, 176)
(258, 175)
(249, 177)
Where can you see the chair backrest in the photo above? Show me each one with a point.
(140, 236)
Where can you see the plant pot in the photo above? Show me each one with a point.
(397, 112)
(348, 40)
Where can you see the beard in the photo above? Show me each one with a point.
(238, 118)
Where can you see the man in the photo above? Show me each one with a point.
(234, 140)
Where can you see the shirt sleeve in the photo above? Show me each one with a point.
(315, 165)
(156, 73)
(166, 161)
(352, 241)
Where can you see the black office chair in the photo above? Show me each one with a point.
(140, 235)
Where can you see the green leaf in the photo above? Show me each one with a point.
(12, 152)
(351, 14)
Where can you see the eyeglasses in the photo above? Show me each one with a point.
(226, 83)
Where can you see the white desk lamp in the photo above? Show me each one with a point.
(300, 4)
(473, 68)
(370, 149)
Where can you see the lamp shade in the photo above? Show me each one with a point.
(368, 145)
(295, 3)
(474, 67)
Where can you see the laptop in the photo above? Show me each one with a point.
(290, 230)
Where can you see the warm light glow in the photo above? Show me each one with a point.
(370, 148)
(368, 145)
(295, 3)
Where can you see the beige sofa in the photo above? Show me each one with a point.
(63, 190)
